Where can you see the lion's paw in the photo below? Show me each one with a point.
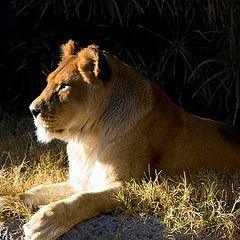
(29, 199)
(48, 223)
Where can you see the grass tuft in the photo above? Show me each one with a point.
(204, 203)
(24, 163)
(19, 178)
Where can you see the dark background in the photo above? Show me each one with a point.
(189, 47)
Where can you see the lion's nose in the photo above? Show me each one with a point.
(35, 110)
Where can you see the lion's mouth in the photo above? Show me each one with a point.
(49, 126)
(53, 130)
(59, 130)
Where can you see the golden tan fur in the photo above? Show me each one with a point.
(117, 126)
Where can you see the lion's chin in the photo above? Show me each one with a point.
(45, 135)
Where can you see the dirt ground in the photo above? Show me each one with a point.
(106, 227)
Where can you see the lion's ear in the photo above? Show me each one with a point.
(92, 64)
(68, 49)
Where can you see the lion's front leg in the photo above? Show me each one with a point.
(55, 219)
(44, 194)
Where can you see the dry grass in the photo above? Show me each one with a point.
(204, 203)
(19, 178)
(199, 204)
(24, 164)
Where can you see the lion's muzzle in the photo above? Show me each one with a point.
(35, 109)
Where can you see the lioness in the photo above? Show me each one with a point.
(116, 124)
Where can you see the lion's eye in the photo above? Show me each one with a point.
(63, 87)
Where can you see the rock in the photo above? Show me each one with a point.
(12, 229)
(105, 227)
(108, 227)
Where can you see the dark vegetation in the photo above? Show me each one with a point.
(190, 47)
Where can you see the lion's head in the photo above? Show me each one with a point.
(73, 95)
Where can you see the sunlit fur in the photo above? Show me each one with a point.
(42, 134)
(116, 128)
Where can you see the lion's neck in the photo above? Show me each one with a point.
(129, 101)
